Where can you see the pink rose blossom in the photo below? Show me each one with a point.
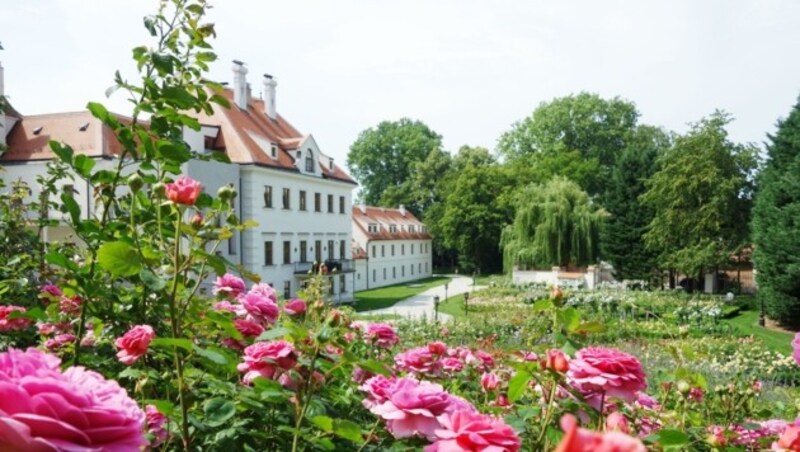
(248, 328)
(45, 409)
(295, 307)
(267, 359)
(647, 401)
(349, 336)
(70, 305)
(381, 335)
(789, 439)
(418, 360)
(451, 365)
(184, 190)
(437, 348)
(133, 344)
(59, 341)
(599, 373)
(229, 285)
(156, 425)
(378, 389)
(227, 306)
(260, 308)
(556, 361)
(616, 421)
(50, 292)
(486, 358)
(18, 324)
(88, 339)
(471, 431)
(412, 408)
(581, 440)
(489, 382)
(264, 290)
(46, 329)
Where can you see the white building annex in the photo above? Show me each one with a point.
(391, 246)
(300, 198)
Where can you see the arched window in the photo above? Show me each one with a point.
(310, 162)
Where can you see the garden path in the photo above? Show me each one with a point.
(421, 305)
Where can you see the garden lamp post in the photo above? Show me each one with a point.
(445, 292)
(762, 315)
(466, 303)
(436, 308)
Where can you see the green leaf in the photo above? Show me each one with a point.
(542, 305)
(164, 342)
(348, 430)
(83, 165)
(33, 314)
(214, 357)
(671, 438)
(71, 207)
(517, 385)
(323, 422)
(119, 258)
(59, 260)
(374, 366)
(178, 96)
(63, 151)
(217, 411)
(570, 318)
(151, 280)
(171, 151)
(272, 334)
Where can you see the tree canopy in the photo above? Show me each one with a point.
(776, 223)
(701, 196)
(383, 159)
(555, 224)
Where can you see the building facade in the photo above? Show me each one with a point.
(392, 246)
(299, 197)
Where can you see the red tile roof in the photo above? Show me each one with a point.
(384, 218)
(241, 131)
(358, 252)
(29, 138)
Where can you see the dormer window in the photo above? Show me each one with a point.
(274, 151)
(392, 228)
(372, 228)
(411, 228)
(310, 162)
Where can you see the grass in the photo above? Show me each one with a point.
(385, 297)
(377, 317)
(454, 306)
(747, 324)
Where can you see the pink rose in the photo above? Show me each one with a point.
(486, 358)
(471, 431)
(267, 359)
(18, 324)
(260, 308)
(264, 290)
(378, 389)
(184, 191)
(451, 365)
(418, 360)
(133, 344)
(229, 285)
(248, 328)
(295, 307)
(790, 438)
(437, 348)
(50, 292)
(412, 408)
(45, 409)
(796, 348)
(381, 335)
(156, 425)
(70, 305)
(581, 440)
(227, 306)
(59, 341)
(489, 382)
(616, 421)
(556, 361)
(47, 329)
(599, 373)
(88, 339)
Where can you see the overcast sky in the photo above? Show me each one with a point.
(469, 69)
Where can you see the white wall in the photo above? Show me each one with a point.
(385, 268)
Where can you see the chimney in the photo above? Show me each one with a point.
(240, 85)
(402, 210)
(363, 208)
(269, 96)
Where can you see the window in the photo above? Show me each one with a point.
(383, 251)
(232, 245)
(317, 202)
(303, 254)
(287, 289)
(392, 250)
(330, 203)
(374, 274)
(384, 274)
(411, 269)
(330, 249)
(374, 253)
(426, 267)
(331, 291)
(342, 284)
(341, 204)
(419, 267)
(341, 249)
(287, 252)
(411, 228)
(394, 272)
(268, 196)
(412, 248)
(273, 150)
(392, 228)
(372, 227)
(403, 249)
(267, 253)
(302, 200)
(286, 199)
(318, 251)
(310, 162)
(403, 271)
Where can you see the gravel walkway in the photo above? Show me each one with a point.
(421, 305)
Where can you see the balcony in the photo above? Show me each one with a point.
(333, 267)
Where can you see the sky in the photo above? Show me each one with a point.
(468, 68)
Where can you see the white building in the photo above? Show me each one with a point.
(300, 198)
(391, 246)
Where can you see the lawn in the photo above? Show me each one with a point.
(747, 324)
(453, 306)
(385, 297)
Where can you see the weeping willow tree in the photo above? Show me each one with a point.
(556, 224)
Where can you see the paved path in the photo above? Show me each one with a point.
(421, 305)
